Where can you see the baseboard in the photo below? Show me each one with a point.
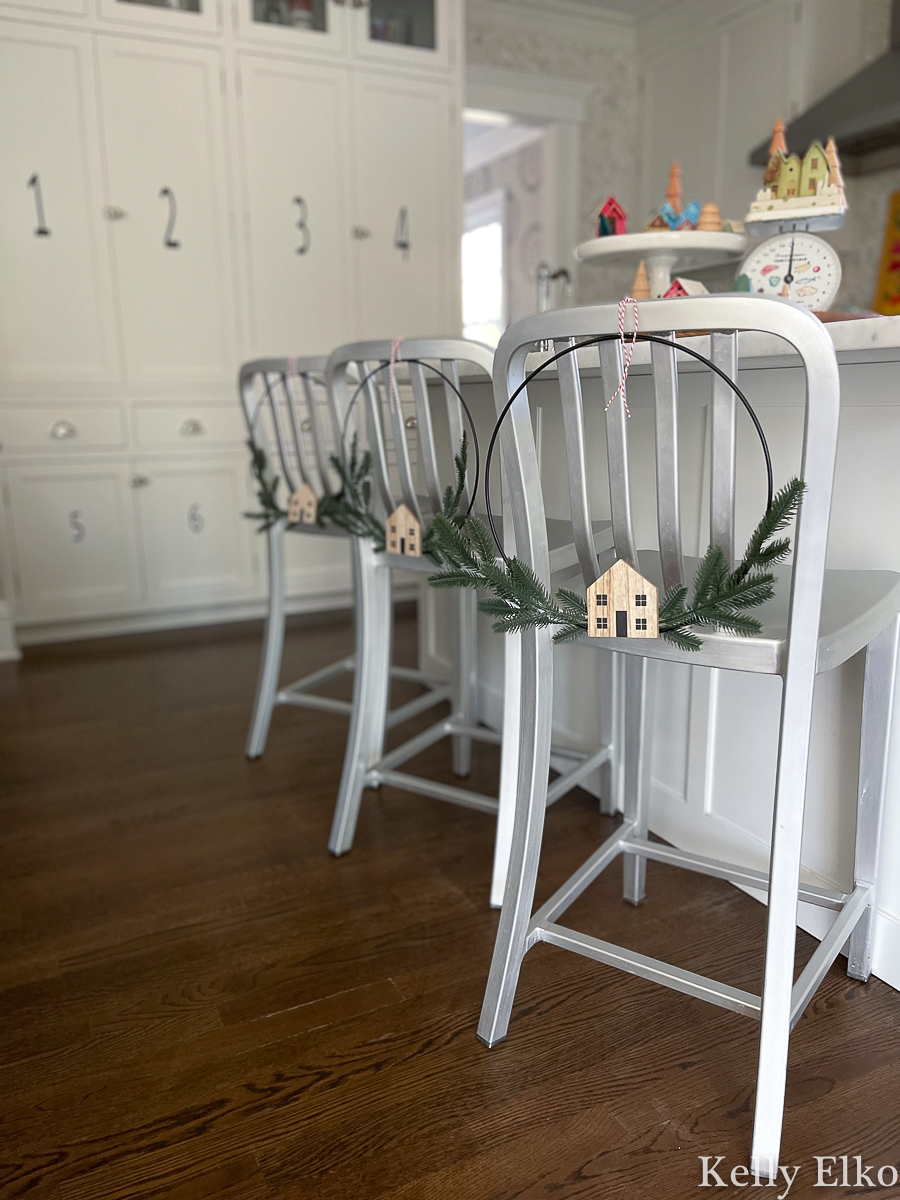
(79, 629)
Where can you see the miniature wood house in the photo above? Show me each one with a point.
(404, 533)
(610, 218)
(622, 603)
(303, 506)
(814, 170)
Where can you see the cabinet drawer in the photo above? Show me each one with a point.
(189, 426)
(49, 427)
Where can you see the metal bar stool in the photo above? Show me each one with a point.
(817, 620)
(289, 416)
(388, 430)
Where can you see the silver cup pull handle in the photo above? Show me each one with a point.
(61, 430)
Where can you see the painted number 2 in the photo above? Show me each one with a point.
(302, 218)
(35, 184)
(196, 523)
(168, 241)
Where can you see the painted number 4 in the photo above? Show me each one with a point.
(401, 233)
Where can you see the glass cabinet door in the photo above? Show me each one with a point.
(404, 31)
(294, 24)
(187, 15)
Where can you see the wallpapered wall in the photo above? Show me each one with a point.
(496, 36)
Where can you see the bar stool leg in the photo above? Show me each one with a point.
(370, 690)
(531, 802)
(874, 744)
(509, 764)
(465, 603)
(636, 770)
(270, 664)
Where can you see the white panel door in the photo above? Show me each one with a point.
(408, 206)
(56, 314)
(195, 537)
(294, 141)
(185, 16)
(164, 138)
(72, 540)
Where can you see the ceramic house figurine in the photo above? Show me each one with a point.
(640, 289)
(689, 217)
(404, 533)
(685, 287)
(303, 506)
(658, 222)
(610, 219)
(622, 603)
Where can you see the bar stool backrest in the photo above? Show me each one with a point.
(289, 414)
(725, 316)
(384, 424)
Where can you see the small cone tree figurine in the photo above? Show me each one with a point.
(835, 177)
(673, 191)
(640, 289)
(710, 218)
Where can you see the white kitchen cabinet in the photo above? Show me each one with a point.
(72, 539)
(406, 33)
(56, 312)
(294, 130)
(406, 201)
(194, 537)
(164, 133)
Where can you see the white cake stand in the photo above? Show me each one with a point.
(664, 251)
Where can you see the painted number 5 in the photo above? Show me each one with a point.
(302, 218)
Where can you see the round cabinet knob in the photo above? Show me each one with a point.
(139, 481)
(191, 427)
(360, 232)
(112, 213)
(411, 423)
(61, 430)
(306, 424)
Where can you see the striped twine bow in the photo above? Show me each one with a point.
(393, 394)
(628, 349)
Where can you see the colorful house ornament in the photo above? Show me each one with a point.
(794, 187)
(404, 533)
(610, 219)
(303, 506)
(623, 604)
(685, 287)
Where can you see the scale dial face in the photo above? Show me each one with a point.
(797, 266)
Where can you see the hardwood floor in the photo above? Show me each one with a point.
(196, 1000)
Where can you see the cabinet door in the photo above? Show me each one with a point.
(72, 535)
(187, 16)
(56, 319)
(195, 537)
(316, 25)
(408, 190)
(163, 117)
(298, 221)
(406, 33)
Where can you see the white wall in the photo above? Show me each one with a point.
(713, 76)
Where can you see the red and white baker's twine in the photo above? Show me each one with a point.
(393, 394)
(628, 349)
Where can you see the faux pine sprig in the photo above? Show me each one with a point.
(719, 598)
(271, 511)
(351, 507)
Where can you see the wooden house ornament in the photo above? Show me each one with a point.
(303, 507)
(610, 219)
(404, 533)
(622, 603)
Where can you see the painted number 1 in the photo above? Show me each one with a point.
(401, 233)
(35, 184)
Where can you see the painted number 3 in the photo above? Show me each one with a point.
(195, 519)
(302, 218)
